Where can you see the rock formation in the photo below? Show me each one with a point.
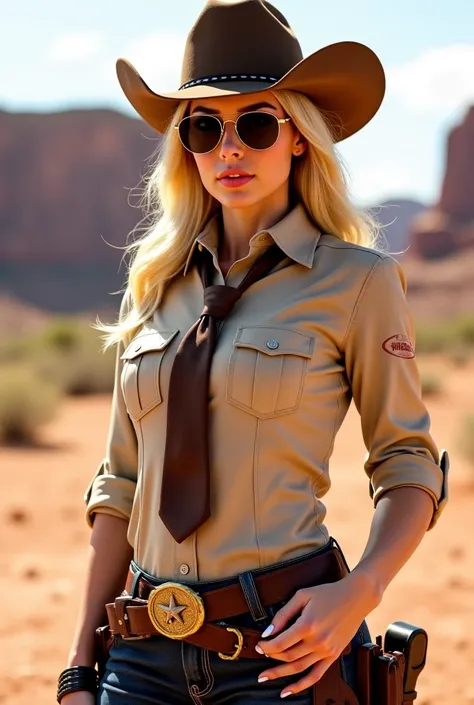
(68, 200)
(448, 227)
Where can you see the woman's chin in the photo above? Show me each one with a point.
(237, 199)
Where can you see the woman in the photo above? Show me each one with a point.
(208, 505)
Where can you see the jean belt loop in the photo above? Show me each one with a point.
(336, 544)
(136, 578)
(252, 598)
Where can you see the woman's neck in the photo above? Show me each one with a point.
(238, 225)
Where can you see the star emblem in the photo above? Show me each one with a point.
(173, 611)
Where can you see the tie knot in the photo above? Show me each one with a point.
(220, 300)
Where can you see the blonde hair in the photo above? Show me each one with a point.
(179, 207)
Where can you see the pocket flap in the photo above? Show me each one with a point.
(157, 340)
(275, 341)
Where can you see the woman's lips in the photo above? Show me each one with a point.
(235, 181)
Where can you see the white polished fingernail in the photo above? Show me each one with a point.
(288, 692)
(259, 649)
(262, 679)
(267, 631)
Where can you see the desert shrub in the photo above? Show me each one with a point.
(431, 384)
(443, 336)
(17, 349)
(72, 358)
(67, 354)
(63, 334)
(460, 356)
(85, 371)
(466, 440)
(432, 338)
(463, 330)
(27, 402)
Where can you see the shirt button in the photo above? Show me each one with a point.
(262, 238)
(273, 344)
(184, 569)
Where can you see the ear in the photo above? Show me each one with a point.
(299, 145)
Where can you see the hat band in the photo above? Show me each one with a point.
(229, 77)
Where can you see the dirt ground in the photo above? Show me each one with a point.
(44, 539)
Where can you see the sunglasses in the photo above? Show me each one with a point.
(200, 134)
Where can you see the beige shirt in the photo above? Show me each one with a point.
(329, 324)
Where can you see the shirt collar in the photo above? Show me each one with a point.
(208, 237)
(295, 234)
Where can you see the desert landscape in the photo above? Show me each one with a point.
(45, 541)
(58, 278)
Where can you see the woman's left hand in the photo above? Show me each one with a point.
(329, 617)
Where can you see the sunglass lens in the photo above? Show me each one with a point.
(200, 133)
(258, 130)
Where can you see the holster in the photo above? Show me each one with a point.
(380, 676)
(103, 641)
(332, 689)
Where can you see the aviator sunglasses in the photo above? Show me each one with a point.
(201, 134)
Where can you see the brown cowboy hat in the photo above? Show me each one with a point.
(247, 46)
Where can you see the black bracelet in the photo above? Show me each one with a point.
(77, 678)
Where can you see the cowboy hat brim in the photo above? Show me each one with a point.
(345, 80)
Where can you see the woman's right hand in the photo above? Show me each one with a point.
(80, 697)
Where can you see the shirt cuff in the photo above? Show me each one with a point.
(413, 471)
(110, 494)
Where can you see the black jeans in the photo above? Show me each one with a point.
(162, 671)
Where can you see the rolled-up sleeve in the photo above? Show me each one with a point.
(386, 388)
(112, 489)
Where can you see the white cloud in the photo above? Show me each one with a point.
(75, 47)
(440, 79)
(158, 57)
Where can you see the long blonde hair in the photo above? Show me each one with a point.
(179, 206)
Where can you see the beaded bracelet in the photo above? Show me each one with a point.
(77, 678)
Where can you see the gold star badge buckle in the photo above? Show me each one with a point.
(175, 610)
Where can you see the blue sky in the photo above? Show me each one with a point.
(56, 55)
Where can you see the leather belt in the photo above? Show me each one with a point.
(176, 610)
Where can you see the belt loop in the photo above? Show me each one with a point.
(341, 554)
(134, 585)
(251, 595)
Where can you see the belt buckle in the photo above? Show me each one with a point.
(238, 646)
(175, 610)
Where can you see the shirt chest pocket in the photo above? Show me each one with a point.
(267, 370)
(141, 383)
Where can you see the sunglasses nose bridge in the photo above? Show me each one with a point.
(233, 134)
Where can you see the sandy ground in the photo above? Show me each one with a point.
(44, 539)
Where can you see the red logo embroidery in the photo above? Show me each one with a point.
(399, 346)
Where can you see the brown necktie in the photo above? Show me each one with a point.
(185, 500)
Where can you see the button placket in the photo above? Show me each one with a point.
(185, 561)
